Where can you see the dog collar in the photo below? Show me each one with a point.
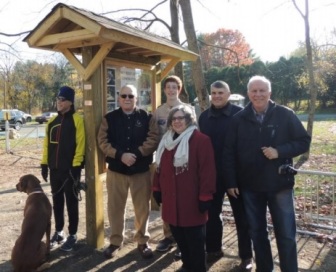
(36, 192)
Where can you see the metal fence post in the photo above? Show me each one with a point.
(7, 136)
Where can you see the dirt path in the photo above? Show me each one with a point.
(313, 256)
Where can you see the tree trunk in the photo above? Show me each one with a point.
(196, 67)
(312, 84)
(174, 32)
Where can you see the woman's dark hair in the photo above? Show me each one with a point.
(188, 114)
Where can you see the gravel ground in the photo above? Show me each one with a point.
(313, 255)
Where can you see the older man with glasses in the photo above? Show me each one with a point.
(128, 137)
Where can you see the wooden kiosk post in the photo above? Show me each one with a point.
(95, 46)
(93, 157)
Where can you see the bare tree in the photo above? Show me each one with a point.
(8, 48)
(312, 84)
(6, 67)
(175, 26)
(196, 67)
(148, 18)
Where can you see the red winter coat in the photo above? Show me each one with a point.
(181, 193)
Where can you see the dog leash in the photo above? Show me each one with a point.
(76, 192)
(60, 189)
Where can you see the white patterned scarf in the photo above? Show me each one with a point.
(181, 157)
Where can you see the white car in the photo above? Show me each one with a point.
(25, 115)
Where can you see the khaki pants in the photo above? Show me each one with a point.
(118, 186)
(154, 207)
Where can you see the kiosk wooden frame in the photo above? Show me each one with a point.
(90, 41)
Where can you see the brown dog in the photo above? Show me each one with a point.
(29, 251)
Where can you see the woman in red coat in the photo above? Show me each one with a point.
(184, 183)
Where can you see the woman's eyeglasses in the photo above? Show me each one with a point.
(178, 118)
(130, 96)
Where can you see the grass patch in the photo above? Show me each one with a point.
(324, 138)
(322, 158)
(23, 144)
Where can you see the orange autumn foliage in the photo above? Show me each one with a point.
(223, 48)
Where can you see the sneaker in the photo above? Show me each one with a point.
(69, 243)
(246, 265)
(111, 251)
(178, 254)
(165, 244)
(57, 239)
(213, 257)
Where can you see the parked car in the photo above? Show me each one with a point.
(45, 117)
(15, 119)
(25, 115)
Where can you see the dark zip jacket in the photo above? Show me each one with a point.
(215, 123)
(244, 163)
(64, 142)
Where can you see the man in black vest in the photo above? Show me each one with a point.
(128, 137)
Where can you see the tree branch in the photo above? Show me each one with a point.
(142, 18)
(14, 35)
(221, 47)
(298, 9)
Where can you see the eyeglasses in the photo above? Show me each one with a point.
(178, 118)
(61, 98)
(130, 96)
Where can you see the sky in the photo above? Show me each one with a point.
(273, 28)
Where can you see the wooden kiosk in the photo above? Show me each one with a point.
(107, 55)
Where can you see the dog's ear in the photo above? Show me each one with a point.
(37, 180)
(24, 183)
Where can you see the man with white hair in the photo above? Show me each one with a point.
(263, 137)
(128, 137)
